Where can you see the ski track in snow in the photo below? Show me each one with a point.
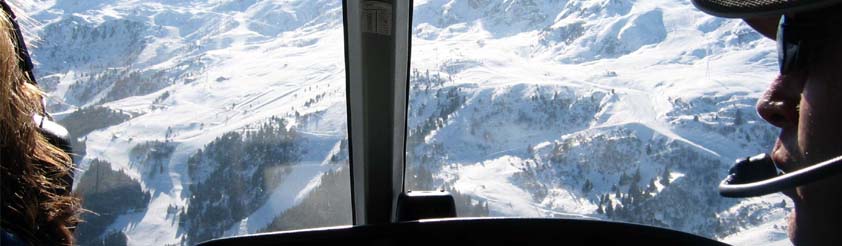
(295, 185)
(490, 181)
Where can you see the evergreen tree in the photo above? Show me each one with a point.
(738, 118)
(665, 176)
(636, 178)
(650, 188)
(609, 209)
(624, 179)
(587, 187)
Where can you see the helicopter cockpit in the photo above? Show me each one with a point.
(383, 122)
(377, 54)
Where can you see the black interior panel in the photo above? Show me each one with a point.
(485, 231)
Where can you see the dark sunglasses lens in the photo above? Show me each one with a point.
(781, 51)
(781, 46)
(787, 56)
(788, 49)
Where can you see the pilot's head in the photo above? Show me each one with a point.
(36, 209)
(805, 101)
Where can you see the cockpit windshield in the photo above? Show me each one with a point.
(609, 110)
(195, 120)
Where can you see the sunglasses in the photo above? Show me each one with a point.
(793, 34)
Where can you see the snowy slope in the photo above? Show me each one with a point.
(198, 79)
(538, 108)
(655, 87)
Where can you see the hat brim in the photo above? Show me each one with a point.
(755, 8)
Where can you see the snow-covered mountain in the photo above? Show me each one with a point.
(228, 116)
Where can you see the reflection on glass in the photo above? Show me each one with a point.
(610, 110)
(195, 120)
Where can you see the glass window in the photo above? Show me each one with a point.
(194, 120)
(611, 110)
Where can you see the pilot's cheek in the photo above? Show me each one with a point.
(820, 133)
(819, 205)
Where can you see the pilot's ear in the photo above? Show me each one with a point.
(766, 25)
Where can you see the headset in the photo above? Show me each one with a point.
(757, 176)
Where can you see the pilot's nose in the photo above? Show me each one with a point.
(779, 104)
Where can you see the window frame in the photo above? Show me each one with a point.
(377, 91)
